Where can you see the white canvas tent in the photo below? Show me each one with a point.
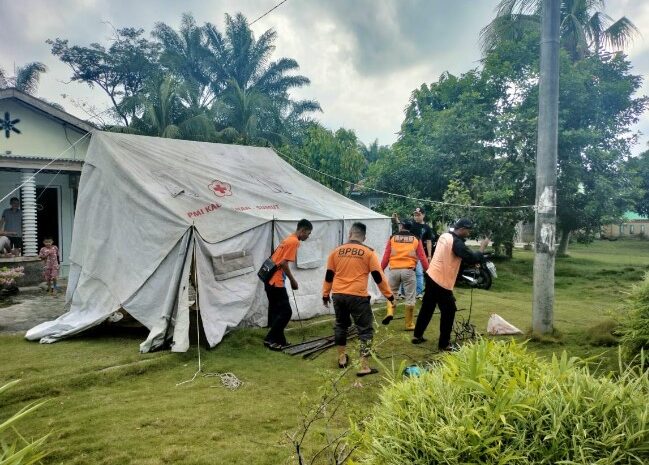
(147, 206)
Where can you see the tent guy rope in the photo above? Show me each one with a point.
(44, 166)
(393, 194)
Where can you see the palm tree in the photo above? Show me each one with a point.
(25, 79)
(585, 28)
(230, 78)
(254, 91)
(164, 113)
(185, 55)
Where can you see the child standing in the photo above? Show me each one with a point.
(50, 256)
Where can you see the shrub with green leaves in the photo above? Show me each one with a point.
(496, 403)
(14, 448)
(635, 329)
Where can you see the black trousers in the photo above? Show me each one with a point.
(435, 295)
(16, 242)
(279, 314)
(348, 307)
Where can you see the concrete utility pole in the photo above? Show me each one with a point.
(546, 170)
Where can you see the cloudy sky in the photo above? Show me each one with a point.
(364, 57)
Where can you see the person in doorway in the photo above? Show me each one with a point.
(440, 280)
(348, 268)
(49, 254)
(279, 307)
(12, 223)
(403, 253)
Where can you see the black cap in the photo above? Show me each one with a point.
(406, 224)
(463, 223)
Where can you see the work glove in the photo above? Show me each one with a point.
(325, 300)
(391, 298)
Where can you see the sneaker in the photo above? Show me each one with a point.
(418, 340)
(420, 296)
(400, 296)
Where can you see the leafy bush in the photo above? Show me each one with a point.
(494, 402)
(17, 450)
(635, 329)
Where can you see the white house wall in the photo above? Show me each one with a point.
(40, 135)
(10, 180)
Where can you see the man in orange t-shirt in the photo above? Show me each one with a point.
(348, 268)
(279, 307)
(440, 281)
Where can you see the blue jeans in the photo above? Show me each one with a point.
(419, 272)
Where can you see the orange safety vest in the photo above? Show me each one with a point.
(403, 251)
(445, 265)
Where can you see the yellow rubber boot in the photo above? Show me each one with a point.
(389, 313)
(409, 317)
(343, 358)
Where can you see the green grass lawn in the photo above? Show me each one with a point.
(110, 405)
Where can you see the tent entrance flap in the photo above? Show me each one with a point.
(159, 303)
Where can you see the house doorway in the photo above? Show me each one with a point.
(47, 215)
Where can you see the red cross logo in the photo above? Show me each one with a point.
(220, 188)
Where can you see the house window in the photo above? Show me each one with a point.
(622, 228)
(642, 229)
(631, 228)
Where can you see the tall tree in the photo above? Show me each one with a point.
(25, 79)
(446, 134)
(255, 90)
(597, 103)
(638, 170)
(585, 27)
(120, 71)
(334, 153)
(185, 54)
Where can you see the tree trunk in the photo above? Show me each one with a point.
(563, 245)
(509, 249)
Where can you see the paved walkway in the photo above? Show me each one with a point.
(29, 308)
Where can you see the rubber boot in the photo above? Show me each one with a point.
(343, 358)
(389, 313)
(409, 317)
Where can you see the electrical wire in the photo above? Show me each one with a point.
(72, 146)
(44, 166)
(268, 12)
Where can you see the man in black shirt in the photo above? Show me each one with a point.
(427, 236)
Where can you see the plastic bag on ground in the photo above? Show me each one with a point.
(498, 326)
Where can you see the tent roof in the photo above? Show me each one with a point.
(221, 189)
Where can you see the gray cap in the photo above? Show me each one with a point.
(463, 223)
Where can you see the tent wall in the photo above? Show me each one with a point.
(224, 304)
